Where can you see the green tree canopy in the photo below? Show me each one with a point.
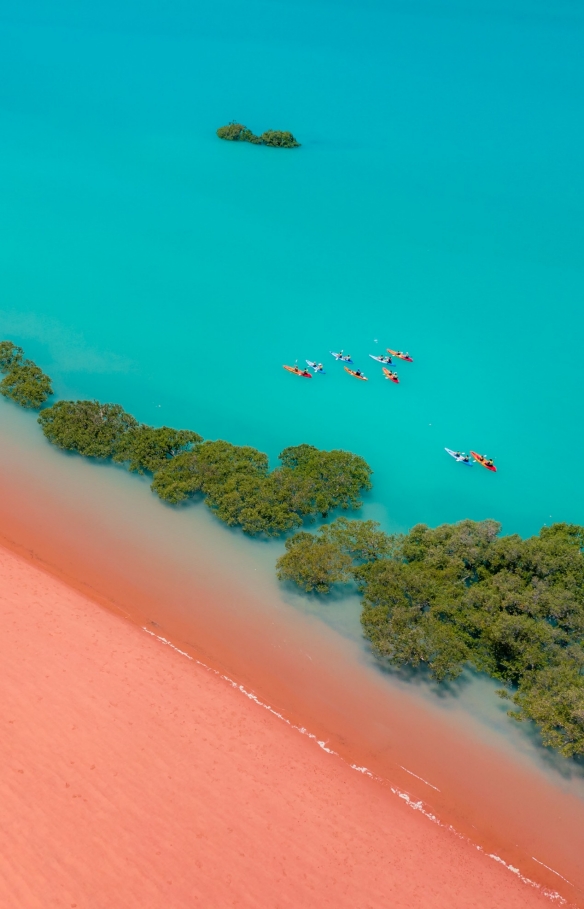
(316, 482)
(237, 132)
(461, 595)
(313, 563)
(207, 469)
(10, 354)
(235, 481)
(88, 427)
(363, 541)
(279, 139)
(26, 384)
(317, 561)
(148, 449)
(241, 492)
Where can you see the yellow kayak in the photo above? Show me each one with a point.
(356, 374)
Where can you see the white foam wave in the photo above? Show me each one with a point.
(248, 694)
(400, 793)
(411, 773)
(551, 869)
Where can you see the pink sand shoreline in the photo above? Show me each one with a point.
(167, 571)
(134, 777)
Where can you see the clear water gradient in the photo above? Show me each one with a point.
(436, 205)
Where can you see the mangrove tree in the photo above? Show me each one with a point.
(461, 595)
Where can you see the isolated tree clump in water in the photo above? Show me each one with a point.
(276, 138)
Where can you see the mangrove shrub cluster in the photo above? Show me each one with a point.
(462, 595)
(454, 596)
(24, 382)
(234, 479)
(237, 132)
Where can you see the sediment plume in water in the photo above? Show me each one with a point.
(192, 583)
(136, 778)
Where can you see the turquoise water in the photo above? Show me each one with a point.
(436, 205)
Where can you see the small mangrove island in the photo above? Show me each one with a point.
(237, 132)
(456, 596)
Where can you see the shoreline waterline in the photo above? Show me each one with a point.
(171, 779)
(183, 579)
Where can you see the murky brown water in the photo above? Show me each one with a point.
(188, 579)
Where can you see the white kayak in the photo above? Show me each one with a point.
(386, 360)
(315, 367)
(459, 458)
(339, 356)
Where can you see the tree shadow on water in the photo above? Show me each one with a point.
(475, 694)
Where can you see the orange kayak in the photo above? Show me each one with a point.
(392, 376)
(353, 373)
(483, 461)
(299, 372)
(399, 355)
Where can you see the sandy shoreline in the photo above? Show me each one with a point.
(133, 777)
(102, 534)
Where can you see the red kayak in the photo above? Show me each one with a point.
(483, 461)
(392, 376)
(299, 372)
(400, 355)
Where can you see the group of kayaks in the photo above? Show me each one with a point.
(463, 458)
(386, 361)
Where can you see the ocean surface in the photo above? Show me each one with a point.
(436, 205)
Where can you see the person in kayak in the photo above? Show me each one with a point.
(319, 367)
(489, 462)
(358, 372)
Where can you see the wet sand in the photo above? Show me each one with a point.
(134, 777)
(183, 576)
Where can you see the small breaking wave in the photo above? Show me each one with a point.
(415, 805)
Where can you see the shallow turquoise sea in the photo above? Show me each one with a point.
(436, 205)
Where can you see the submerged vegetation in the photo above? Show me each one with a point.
(24, 382)
(446, 598)
(237, 132)
(460, 595)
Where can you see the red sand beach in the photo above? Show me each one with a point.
(133, 777)
(99, 532)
